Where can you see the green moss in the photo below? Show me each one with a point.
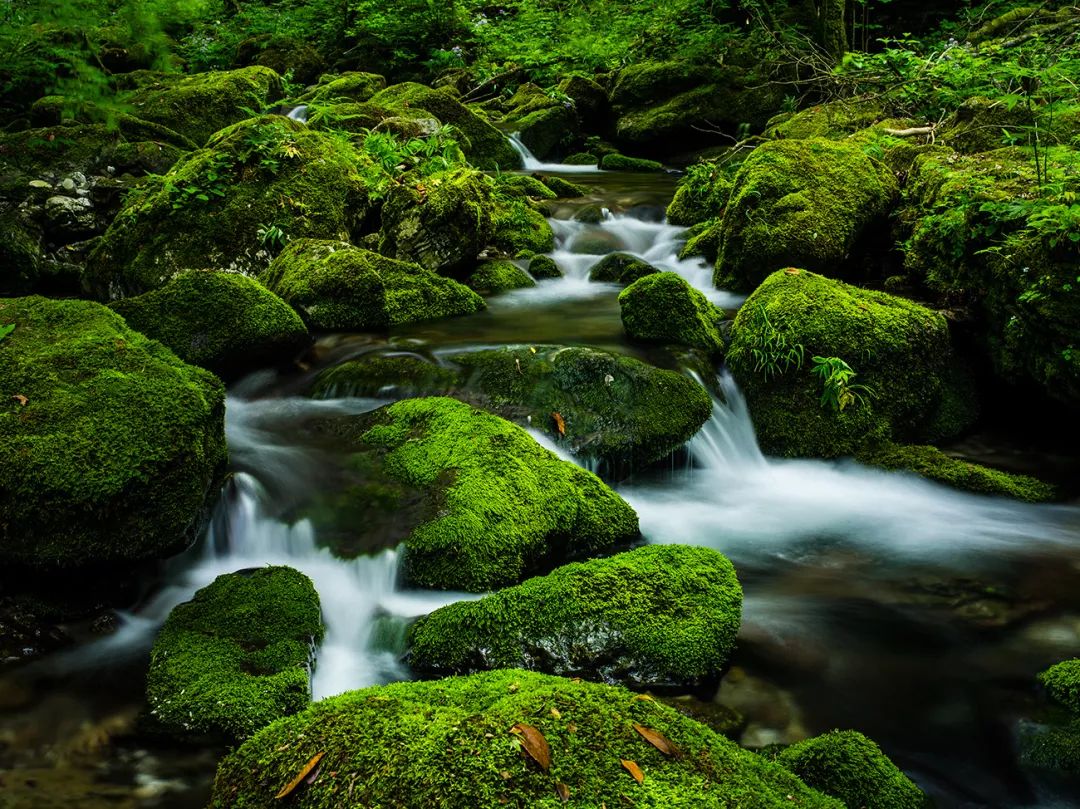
(541, 267)
(483, 144)
(336, 286)
(448, 744)
(503, 506)
(850, 767)
(703, 240)
(519, 227)
(899, 350)
(934, 464)
(802, 203)
(21, 256)
(663, 307)
(619, 162)
(1062, 683)
(208, 210)
(236, 657)
(353, 86)
(563, 189)
(833, 120)
(979, 124)
(664, 615)
(525, 184)
(702, 194)
(542, 123)
(199, 105)
(620, 268)
(581, 159)
(1051, 747)
(117, 447)
(499, 276)
(282, 53)
(376, 375)
(222, 321)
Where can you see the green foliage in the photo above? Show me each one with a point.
(772, 349)
(394, 161)
(398, 36)
(236, 657)
(449, 744)
(272, 237)
(6, 330)
(839, 389)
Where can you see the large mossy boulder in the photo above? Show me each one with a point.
(459, 743)
(215, 208)
(851, 768)
(834, 120)
(609, 406)
(663, 307)
(199, 105)
(338, 287)
(493, 277)
(224, 322)
(814, 203)
(702, 194)
(484, 145)
(352, 86)
(912, 390)
(978, 234)
(109, 445)
(542, 122)
(489, 505)
(620, 268)
(658, 616)
(236, 657)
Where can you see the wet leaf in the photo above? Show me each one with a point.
(534, 743)
(644, 698)
(792, 270)
(6, 330)
(18, 397)
(290, 787)
(657, 740)
(560, 424)
(632, 768)
(563, 791)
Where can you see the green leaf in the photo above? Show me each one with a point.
(6, 330)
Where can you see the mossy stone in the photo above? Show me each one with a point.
(833, 120)
(404, 375)
(581, 159)
(236, 657)
(353, 86)
(658, 616)
(543, 267)
(110, 447)
(701, 195)
(224, 322)
(801, 203)
(492, 277)
(338, 287)
(451, 744)
(1062, 684)
(663, 307)
(620, 268)
(620, 162)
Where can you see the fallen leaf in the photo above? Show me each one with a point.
(18, 397)
(792, 271)
(534, 743)
(563, 790)
(633, 769)
(555, 713)
(288, 789)
(641, 697)
(560, 424)
(6, 330)
(657, 740)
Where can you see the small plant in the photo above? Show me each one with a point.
(839, 391)
(774, 354)
(272, 237)
(6, 330)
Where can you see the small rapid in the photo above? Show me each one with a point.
(530, 162)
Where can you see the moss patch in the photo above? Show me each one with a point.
(664, 615)
(113, 454)
(1062, 683)
(236, 657)
(620, 162)
(499, 276)
(222, 321)
(448, 744)
(620, 268)
(663, 307)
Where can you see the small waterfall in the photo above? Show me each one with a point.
(530, 162)
(749, 505)
(299, 113)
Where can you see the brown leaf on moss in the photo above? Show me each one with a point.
(18, 397)
(288, 789)
(534, 743)
(560, 424)
(657, 740)
(563, 791)
(632, 768)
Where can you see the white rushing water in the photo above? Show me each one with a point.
(530, 162)
(748, 505)
(355, 593)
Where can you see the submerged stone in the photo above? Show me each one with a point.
(458, 744)
(109, 445)
(236, 657)
(659, 616)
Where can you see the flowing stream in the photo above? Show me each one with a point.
(874, 600)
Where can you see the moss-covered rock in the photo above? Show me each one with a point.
(354, 86)
(803, 203)
(620, 162)
(977, 233)
(979, 124)
(199, 105)
(222, 321)
(1062, 684)
(543, 267)
(850, 767)
(529, 185)
(900, 351)
(562, 189)
(484, 145)
(236, 657)
(452, 744)
(612, 407)
(581, 159)
(282, 54)
(109, 445)
(934, 464)
(336, 286)
(833, 120)
(1054, 746)
(663, 307)
(20, 254)
(492, 277)
(620, 268)
(520, 228)
(663, 615)
(212, 210)
(498, 506)
(543, 123)
(701, 195)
